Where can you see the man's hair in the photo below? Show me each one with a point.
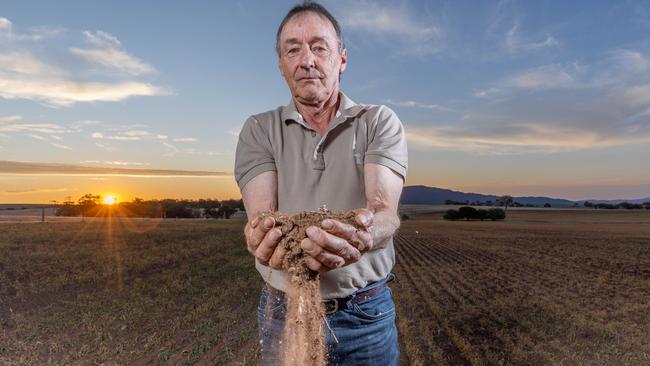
(314, 7)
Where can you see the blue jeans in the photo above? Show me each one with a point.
(366, 331)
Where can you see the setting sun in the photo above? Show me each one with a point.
(110, 200)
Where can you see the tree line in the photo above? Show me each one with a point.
(622, 205)
(90, 205)
(470, 213)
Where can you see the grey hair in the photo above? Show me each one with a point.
(314, 7)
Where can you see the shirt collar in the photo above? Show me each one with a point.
(347, 109)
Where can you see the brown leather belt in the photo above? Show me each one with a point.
(333, 305)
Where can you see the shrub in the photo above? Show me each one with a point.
(468, 213)
(451, 215)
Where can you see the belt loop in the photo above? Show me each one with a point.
(391, 277)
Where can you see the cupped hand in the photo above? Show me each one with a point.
(262, 240)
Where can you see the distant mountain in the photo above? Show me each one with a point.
(437, 196)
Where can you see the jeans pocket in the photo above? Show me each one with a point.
(271, 306)
(377, 308)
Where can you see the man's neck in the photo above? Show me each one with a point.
(319, 115)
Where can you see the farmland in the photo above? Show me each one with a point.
(542, 287)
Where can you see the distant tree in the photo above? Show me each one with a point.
(225, 211)
(505, 200)
(88, 203)
(607, 206)
(451, 215)
(405, 217)
(547, 205)
(630, 206)
(482, 214)
(67, 208)
(588, 204)
(646, 205)
(468, 213)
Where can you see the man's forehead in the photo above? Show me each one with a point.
(307, 22)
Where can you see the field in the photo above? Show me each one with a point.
(542, 287)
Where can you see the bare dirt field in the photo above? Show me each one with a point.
(542, 287)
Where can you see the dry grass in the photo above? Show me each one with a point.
(124, 292)
(543, 287)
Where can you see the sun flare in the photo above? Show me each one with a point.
(110, 200)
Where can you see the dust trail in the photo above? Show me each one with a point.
(303, 342)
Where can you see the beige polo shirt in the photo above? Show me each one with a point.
(315, 170)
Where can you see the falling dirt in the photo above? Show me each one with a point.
(304, 341)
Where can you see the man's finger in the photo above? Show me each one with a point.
(333, 244)
(278, 256)
(259, 232)
(315, 251)
(267, 246)
(364, 217)
(315, 265)
(339, 229)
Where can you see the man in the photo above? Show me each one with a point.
(324, 149)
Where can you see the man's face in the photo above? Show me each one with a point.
(310, 60)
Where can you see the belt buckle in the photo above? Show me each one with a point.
(335, 307)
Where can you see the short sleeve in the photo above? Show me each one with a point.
(254, 152)
(387, 143)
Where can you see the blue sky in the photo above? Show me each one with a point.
(503, 97)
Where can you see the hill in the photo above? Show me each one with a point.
(437, 196)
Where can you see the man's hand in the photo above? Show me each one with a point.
(262, 241)
(338, 244)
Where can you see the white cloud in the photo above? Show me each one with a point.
(26, 76)
(548, 42)
(97, 135)
(414, 104)
(5, 23)
(638, 95)
(66, 93)
(185, 139)
(110, 54)
(37, 137)
(11, 118)
(171, 149)
(26, 64)
(544, 77)
(522, 138)
(60, 146)
(114, 162)
(38, 33)
(631, 60)
(385, 20)
(47, 128)
(102, 39)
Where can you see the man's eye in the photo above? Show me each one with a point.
(318, 49)
(292, 51)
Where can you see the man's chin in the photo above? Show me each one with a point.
(310, 97)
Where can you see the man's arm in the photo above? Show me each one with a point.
(333, 247)
(383, 189)
(261, 194)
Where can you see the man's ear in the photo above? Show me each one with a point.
(344, 60)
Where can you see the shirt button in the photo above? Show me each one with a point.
(313, 134)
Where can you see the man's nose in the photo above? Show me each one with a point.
(307, 58)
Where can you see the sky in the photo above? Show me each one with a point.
(498, 97)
